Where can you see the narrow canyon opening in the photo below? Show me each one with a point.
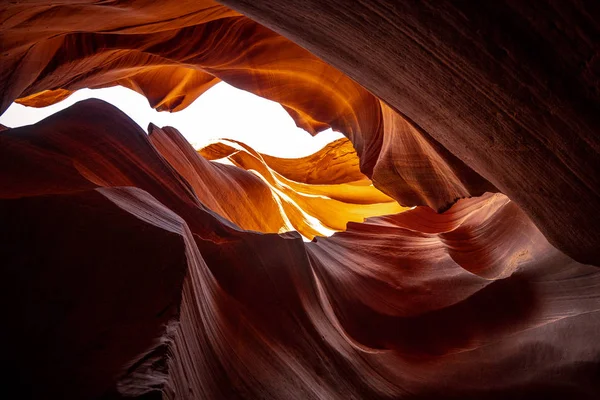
(222, 112)
(315, 184)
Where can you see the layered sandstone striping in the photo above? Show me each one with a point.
(135, 266)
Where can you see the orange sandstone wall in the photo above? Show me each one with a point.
(135, 266)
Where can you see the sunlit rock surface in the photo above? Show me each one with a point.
(135, 266)
(508, 87)
(173, 61)
(263, 199)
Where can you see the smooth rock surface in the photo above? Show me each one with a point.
(511, 88)
(134, 266)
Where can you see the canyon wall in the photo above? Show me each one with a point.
(135, 266)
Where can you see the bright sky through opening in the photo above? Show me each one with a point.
(222, 112)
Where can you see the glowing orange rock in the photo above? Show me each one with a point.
(509, 89)
(175, 64)
(131, 265)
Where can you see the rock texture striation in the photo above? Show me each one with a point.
(174, 61)
(509, 87)
(134, 266)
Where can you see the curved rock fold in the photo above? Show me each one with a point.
(135, 266)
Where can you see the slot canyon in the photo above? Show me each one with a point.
(447, 247)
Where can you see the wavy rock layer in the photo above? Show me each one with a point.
(134, 266)
(509, 87)
(471, 303)
(185, 51)
(263, 199)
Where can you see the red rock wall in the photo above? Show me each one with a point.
(172, 65)
(508, 87)
(134, 266)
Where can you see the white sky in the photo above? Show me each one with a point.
(221, 112)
